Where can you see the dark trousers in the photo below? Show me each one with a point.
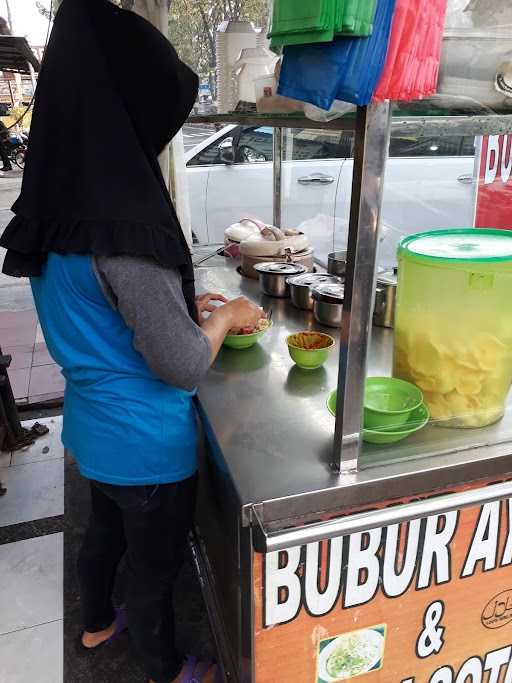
(4, 155)
(149, 524)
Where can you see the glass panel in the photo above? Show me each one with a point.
(313, 160)
(443, 146)
(203, 144)
(311, 145)
(429, 185)
(254, 145)
(452, 333)
(230, 175)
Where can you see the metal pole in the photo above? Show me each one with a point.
(9, 15)
(9, 410)
(373, 126)
(32, 78)
(10, 93)
(278, 175)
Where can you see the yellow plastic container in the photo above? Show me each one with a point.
(453, 325)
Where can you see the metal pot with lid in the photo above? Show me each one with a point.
(328, 303)
(274, 276)
(385, 299)
(337, 263)
(301, 286)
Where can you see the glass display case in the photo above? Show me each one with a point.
(326, 555)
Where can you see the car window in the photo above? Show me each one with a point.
(310, 145)
(468, 147)
(209, 155)
(255, 145)
(442, 146)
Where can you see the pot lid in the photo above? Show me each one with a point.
(388, 277)
(465, 245)
(330, 293)
(279, 268)
(310, 279)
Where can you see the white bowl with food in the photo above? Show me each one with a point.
(351, 654)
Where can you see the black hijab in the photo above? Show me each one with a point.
(111, 95)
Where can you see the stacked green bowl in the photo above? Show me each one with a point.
(393, 410)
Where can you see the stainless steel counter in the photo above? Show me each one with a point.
(275, 435)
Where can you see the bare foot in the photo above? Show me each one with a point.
(92, 640)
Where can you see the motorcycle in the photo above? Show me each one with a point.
(17, 149)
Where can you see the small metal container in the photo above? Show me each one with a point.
(385, 299)
(300, 288)
(274, 275)
(328, 303)
(337, 263)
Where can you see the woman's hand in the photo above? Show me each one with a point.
(204, 303)
(236, 313)
(243, 313)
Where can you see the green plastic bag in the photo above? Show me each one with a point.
(358, 16)
(302, 23)
(290, 16)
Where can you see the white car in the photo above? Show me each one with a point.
(429, 184)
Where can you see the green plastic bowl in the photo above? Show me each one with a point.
(389, 402)
(309, 359)
(244, 341)
(418, 418)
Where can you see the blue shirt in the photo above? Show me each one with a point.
(123, 425)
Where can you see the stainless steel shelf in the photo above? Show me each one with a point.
(429, 126)
(273, 120)
(274, 434)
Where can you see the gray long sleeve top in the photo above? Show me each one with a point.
(150, 300)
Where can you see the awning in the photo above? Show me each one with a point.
(16, 54)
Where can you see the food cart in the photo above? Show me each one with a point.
(323, 558)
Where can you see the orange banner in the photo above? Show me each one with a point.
(427, 601)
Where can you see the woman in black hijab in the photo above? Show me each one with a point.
(113, 283)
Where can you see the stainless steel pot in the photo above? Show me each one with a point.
(304, 258)
(273, 277)
(300, 288)
(337, 263)
(328, 303)
(385, 299)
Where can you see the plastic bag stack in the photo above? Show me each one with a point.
(399, 60)
(319, 21)
(347, 69)
(411, 70)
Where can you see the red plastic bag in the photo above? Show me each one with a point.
(412, 63)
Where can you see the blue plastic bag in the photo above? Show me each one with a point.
(348, 69)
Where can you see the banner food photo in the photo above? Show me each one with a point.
(494, 195)
(426, 601)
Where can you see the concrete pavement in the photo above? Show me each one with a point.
(15, 293)
(35, 378)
